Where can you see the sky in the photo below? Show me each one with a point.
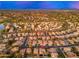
(39, 4)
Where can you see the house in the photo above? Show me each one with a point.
(67, 49)
(54, 55)
(28, 50)
(71, 55)
(35, 51)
